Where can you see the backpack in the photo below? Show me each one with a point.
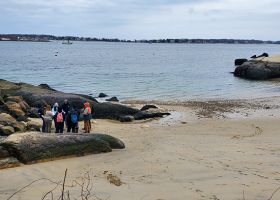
(74, 118)
(59, 117)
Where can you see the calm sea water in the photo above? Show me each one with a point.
(136, 71)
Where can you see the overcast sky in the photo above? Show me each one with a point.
(139, 19)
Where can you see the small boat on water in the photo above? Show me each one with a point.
(67, 42)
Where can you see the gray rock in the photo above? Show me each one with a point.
(147, 107)
(14, 109)
(3, 153)
(240, 61)
(34, 125)
(102, 95)
(258, 70)
(8, 120)
(6, 130)
(20, 127)
(114, 99)
(34, 146)
(126, 118)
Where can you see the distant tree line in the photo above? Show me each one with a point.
(47, 38)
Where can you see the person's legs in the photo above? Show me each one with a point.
(85, 125)
(56, 126)
(61, 126)
(68, 128)
(89, 126)
(76, 128)
(43, 126)
(48, 124)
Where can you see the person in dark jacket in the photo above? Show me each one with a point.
(59, 118)
(65, 108)
(42, 112)
(73, 120)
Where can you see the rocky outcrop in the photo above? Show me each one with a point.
(34, 146)
(36, 96)
(258, 70)
(261, 67)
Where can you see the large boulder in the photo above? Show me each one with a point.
(260, 68)
(34, 146)
(112, 111)
(37, 95)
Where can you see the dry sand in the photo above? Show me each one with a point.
(184, 156)
(274, 58)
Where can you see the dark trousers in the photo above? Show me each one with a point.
(73, 127)
(59, 127)
(44, 126)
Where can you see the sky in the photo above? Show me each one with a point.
(143, 19)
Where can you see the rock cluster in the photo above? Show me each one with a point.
(259, 68)
(22, 98)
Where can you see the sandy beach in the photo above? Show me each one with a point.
(206, 150)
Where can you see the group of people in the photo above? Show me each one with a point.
(66, 114)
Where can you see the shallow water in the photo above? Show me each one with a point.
(136, 71)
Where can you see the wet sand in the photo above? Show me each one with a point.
(188, 155)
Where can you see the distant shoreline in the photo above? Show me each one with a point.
(49, 38)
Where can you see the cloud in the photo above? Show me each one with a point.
(143, 19)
